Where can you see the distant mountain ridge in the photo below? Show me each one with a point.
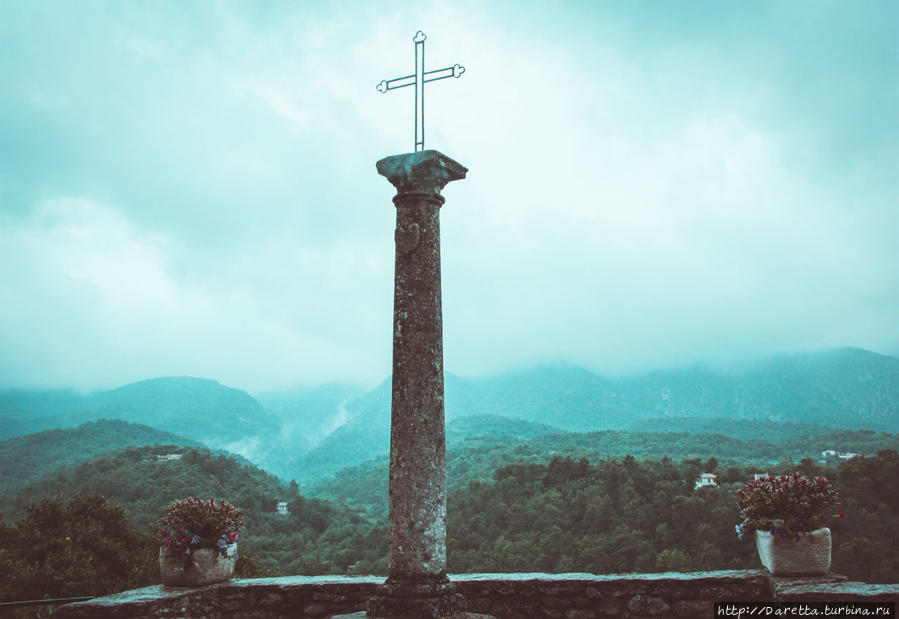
(23, 411)
(27, 458)
(848, 388)
(199, 409)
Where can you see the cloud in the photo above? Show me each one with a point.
(191, 189)
(111, 307)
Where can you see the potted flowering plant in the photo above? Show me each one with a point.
(199, 542)
(788, 514)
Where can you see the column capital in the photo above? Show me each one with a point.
(425, 171)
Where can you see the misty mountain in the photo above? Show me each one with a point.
(850, 388)
(309, 414)
(810, 394)
(366, 435)
(495, 426)
(204, 410)
(26, 458)
(23, 411)
(559, 394)
(847, 388)
(199, 409)
(760, 429)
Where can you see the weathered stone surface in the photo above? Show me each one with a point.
(648, 605)
(553, 601)
(693, 608)
(836, 592)
(417, 586)
(270, 598)
(611, 607)
(560, 589)
(427, 171)
(416, 599)
(510, 596)
(417, 440)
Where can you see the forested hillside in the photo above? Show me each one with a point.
(567, 514)
(476, 458)
(630, 515)
(27, 458)
(316, 538)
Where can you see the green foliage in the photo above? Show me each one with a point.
(865, 541)
(630, 515)
(565, 513)
(364, 487)
(27, 458)
(614, 516)
(315, 538)
(84, 547)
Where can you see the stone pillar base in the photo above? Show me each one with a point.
(428, 598)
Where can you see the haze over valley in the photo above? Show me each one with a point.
(308, 434)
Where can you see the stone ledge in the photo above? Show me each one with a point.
(835, 589)
(506, 596)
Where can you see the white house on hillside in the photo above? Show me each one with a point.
(282, 508)
(706, 480)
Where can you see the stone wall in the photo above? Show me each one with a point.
(588, 596)
(506, 596)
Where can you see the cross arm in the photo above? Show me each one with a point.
(399, 82)
(441, 74)
(429, 76)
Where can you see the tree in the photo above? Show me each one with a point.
(87, 547)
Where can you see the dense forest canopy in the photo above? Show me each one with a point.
(557, 515)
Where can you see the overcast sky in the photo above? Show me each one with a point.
(189, 188)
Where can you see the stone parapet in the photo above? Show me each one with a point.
(832, 589)
(506, 596)
(589, 596)
(248, 598)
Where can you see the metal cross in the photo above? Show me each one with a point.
(419, 79)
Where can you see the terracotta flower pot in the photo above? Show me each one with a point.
(203, 566)
(784, 556)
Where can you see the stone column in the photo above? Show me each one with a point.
(418, 586)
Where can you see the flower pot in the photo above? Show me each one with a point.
(203, 566)
(785, 556)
